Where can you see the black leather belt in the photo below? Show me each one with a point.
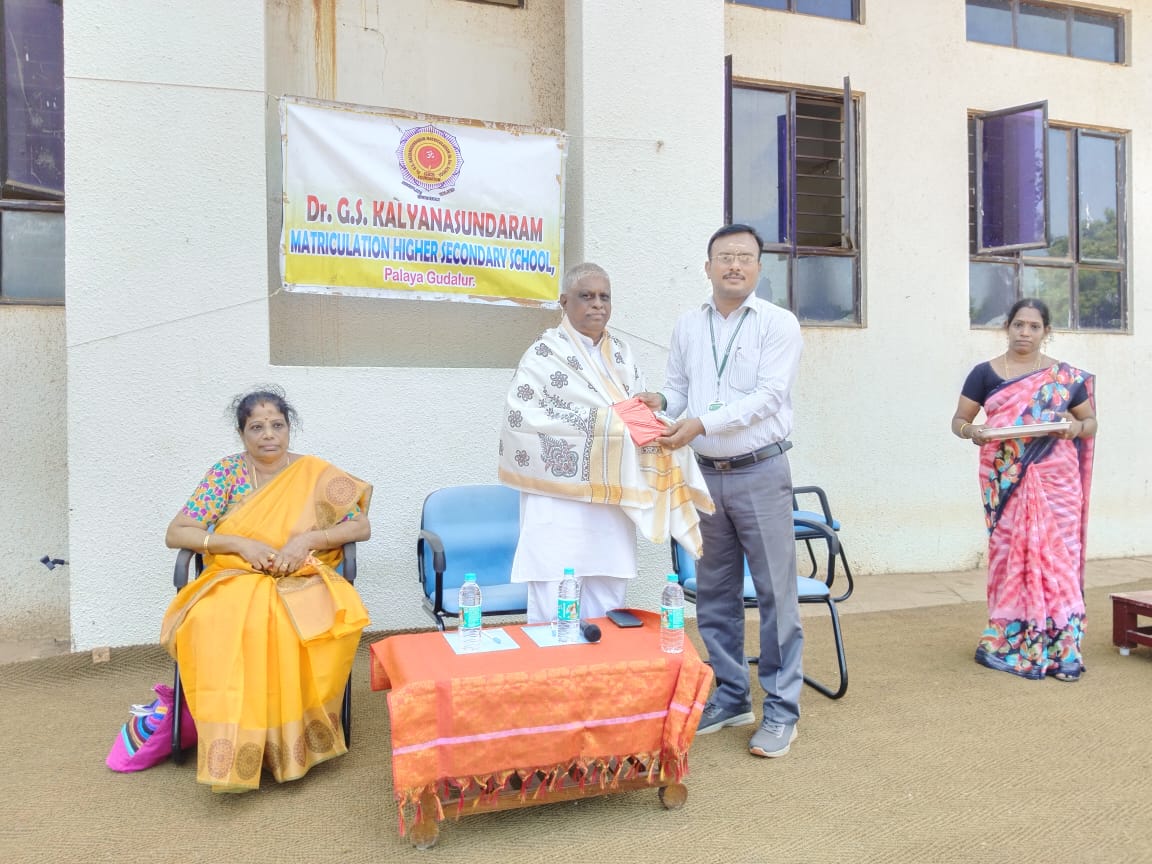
(747, 459)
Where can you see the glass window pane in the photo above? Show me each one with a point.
(763, 4)
(990, 21)
(33, 98)
(1059, 196)
(1095, 37)
(841, 9)
(1053, 285)
(31, 255)
(1100, 303)
(1098, 194)
(1042, 28)
(773, 285)
(759, 162)
(991, 293)
(825, 289)
(1012, 209)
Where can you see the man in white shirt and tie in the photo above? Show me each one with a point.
(731, 368)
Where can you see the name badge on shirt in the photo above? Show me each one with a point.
(715, 406)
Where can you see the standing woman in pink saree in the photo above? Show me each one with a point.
(1035, 495)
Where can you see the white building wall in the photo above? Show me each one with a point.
(646, 186)
(166, 302)
(171, 316)
(33, 474)
(168, 279)
(874, 404)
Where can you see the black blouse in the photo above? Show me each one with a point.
(983, 379)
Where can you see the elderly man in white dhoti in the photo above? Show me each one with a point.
(585, 485)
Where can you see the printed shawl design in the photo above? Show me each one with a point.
(561, 437)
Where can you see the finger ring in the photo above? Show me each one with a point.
(271, 556)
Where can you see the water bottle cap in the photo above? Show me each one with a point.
(469, 577)
(672, 577)
(569, 571)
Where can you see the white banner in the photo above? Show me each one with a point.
(383, 203)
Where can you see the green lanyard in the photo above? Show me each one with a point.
(720, 365)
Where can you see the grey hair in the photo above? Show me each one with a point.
(579, 272)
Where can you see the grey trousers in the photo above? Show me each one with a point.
(753, 519)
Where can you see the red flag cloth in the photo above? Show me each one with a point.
(644, 426)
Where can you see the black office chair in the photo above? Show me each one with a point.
(189, 563)
(804, 518)
(809, 589)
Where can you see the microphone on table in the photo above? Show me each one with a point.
(590, 631)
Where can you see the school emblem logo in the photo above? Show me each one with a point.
(429, 161)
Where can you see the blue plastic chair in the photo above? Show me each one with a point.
(189, 565)
(809, 589)
(470, 529)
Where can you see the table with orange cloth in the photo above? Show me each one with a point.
(492, 722)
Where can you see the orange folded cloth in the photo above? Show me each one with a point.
(644, 426)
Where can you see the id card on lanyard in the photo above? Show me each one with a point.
(721, 365)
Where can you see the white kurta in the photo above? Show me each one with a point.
(598, 541)
(593, 539)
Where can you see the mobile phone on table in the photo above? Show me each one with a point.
(624, 618)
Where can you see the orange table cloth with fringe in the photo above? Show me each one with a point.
(473, 720)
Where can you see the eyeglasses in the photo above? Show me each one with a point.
(727, 258)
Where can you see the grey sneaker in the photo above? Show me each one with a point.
(716, 717)
(772, 739)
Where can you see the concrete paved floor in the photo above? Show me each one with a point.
(911, 590)
(873, 593)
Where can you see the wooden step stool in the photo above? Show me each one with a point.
(1126, 608)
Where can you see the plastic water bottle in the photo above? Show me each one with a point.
(672, 617)
(469, 614)
(568, 608)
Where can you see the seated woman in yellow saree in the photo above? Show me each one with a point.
(266, 636)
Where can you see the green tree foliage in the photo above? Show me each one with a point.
(1099, 304)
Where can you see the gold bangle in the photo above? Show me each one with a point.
(207, 537)
(964, 426)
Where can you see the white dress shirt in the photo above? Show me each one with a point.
(755, 389)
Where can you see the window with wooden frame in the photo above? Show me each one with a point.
(1046, 219)
(1054, 28)
(791, 174)
(844, 10)
(32, 152)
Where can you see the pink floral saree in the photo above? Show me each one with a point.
(1035, 492)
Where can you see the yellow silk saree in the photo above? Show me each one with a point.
(264, 661)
